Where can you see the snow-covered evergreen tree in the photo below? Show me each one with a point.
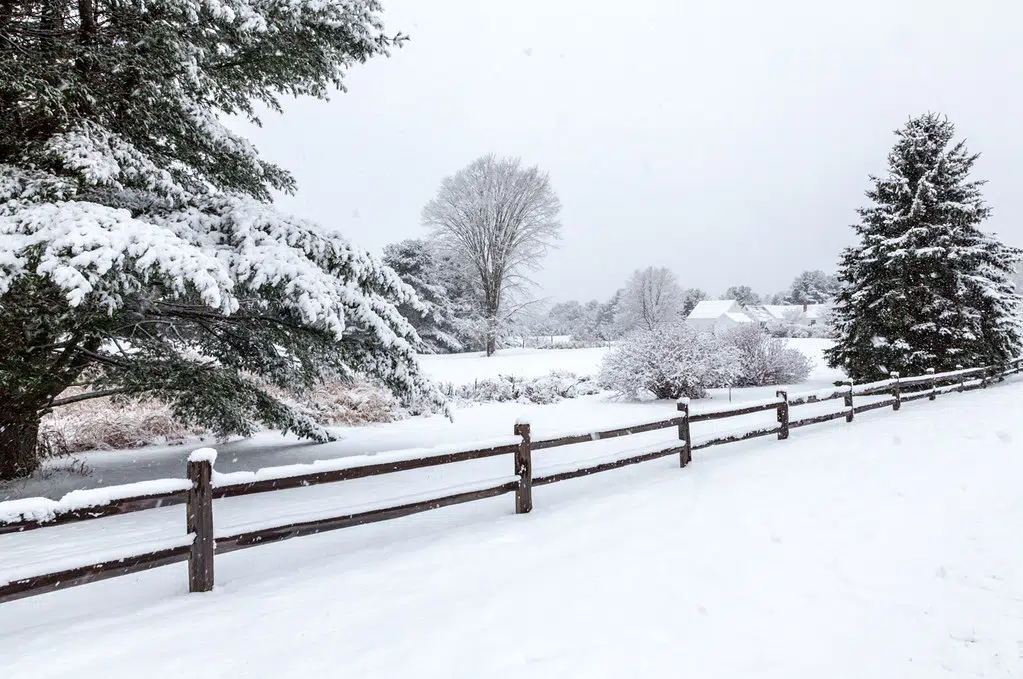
(812, 287)
(743, 294)
(925, 287)
(436, 319)
(690, 298)
(605, 327)
(138, 254)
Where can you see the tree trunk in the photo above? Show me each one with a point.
(18, 455)
(491, 343)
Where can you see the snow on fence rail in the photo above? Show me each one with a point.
(202, 485)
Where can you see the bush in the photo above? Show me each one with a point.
(349, 403)
(765, 360)
(669, 361)
(557, 386)
(819, 331)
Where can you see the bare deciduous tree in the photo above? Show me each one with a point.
(651, 297)
(501, 218)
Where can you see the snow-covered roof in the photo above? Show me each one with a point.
(712, 308)
(780, 311)
(739, 317)
(817, 310)
(759, 313)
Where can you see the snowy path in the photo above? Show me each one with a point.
(885, 548)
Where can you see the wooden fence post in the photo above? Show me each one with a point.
(962, 379)
(524, 469)
(849, 403)
(783, 415)
(686, 455)
(934, 386)
(199, 519)
(896, 392)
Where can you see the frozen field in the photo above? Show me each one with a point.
(884, 548)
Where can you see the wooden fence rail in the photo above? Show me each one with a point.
(203, 485)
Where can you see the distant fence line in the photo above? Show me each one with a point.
(202, 486)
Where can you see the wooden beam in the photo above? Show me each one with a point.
(294, 530)
(51, 582)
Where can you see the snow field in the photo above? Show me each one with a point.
(461, 369)
(532, 363)
(887, 547)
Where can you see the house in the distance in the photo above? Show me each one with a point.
(718, 315)
(773, 316)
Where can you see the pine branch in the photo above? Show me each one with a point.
(77, 398)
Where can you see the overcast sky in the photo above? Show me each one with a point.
(729, 140)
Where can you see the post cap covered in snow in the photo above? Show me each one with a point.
(203, 455)
(684, 401)
(523, 420)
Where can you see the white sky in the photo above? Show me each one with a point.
(727, 139)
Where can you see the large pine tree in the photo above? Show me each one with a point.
(139, 255)
(925, 287)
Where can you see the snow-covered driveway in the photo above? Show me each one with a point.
(885, 548)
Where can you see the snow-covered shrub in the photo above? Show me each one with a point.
(765, 360)
(669, 361)
(822, 330)
(495, 390)
(349, 403)
(545, 343)
(557, 386)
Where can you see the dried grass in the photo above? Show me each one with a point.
(106, 424)
(103, 424)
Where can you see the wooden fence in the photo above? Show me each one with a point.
(202, 486)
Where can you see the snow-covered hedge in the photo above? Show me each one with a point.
(819, 331)
(765, 360)
(349, 403)
(670, 361)
(557, 386)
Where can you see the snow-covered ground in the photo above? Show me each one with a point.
(531, 363)
(470, 424)
(461, 369)
(883, 548)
